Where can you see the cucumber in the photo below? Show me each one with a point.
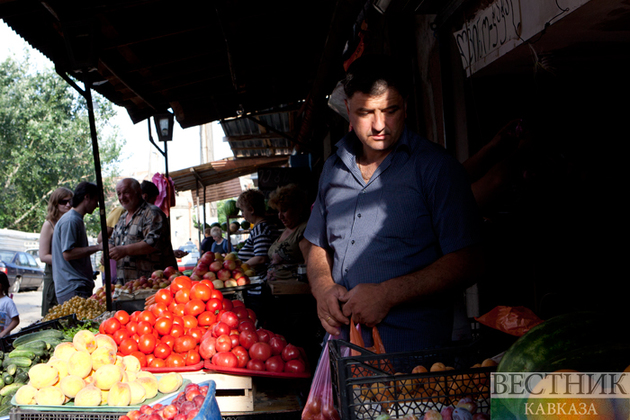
(19, 362)
(2, 384)
(22, 377)
(4, 409)
(11, 369)
(22, 353)
(44, 335)
(10, 389)
(7, 378)
(33, 345)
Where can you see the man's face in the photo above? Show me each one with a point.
(378, 121)
(127, 196)
(92, 204)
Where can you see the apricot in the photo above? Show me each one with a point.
(104, 340)
(26, 395)
(119, 395)
(84, 340)
(71, 385)
(50, 395)
(64, 350)
(90, 396)
(131, 364)
(138, 393)
(150, 384)
(130, 376)
(103, 356)
(104, 396)
(80, 364)
(43, 375)
(106, 376)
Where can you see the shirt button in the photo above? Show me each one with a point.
(359, 215)
(352, 242)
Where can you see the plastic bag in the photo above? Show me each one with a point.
(512, 320)
(357, 339)
(320, 404)
(166, 197)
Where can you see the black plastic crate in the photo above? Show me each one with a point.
(69, 321)
(24, 414)
(368, 384)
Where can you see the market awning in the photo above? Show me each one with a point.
(217, 180)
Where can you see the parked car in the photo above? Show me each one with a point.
(22, 270)
(35, 253)
(188, 262)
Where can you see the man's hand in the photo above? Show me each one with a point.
(329, 309)
(366, 304)
(179, 253)
(117, 252)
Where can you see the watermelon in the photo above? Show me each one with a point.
(230, 208)
(582, 341)
(245, 224)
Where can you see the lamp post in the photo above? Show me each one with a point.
(164, 123)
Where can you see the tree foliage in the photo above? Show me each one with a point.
(45, 142)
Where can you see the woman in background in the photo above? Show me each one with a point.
(220, 245)
(262, 233)
(290, 249)
(60, 202)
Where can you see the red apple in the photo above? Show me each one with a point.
(223, 274)
(229, 264)
(215, 266)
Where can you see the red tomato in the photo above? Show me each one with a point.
(274, 364)
(178, 309)
(147, 316)
(220, 328)
(142, 358)
(216, 294)
(148, 357)
(235, 340)
(179, 283)
(241, 355)
(294, 366)
(111, 325)
(196, 333)
(182, 295)
(290, 352)
(263, 335)
(147, 343)
(252, 315)
(260, 351)
(240, 312)
(200, 291)
(178, 320)
(213, 305)
(163, 325)
(207, 347)
(144, 327)
(132, 326)
(230, 319)
(189, 321)
(184, 343)
(134, 316)
(158, 309)
(254, 364)
(128, 346)
(277, 345)
(206, 318)
(192, 357)
(194, 307)
(175, 360)
(236, 303)
(225, 359)
(208, 283)
(223, 343)
(177, 330)
(227, 304)
(246, 324)
(168, 339)
(120, 335)
(122, 317)
(247, 338)
(164, 296)
(157, 363)
(162, 351)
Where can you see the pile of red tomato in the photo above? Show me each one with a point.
(189, 322)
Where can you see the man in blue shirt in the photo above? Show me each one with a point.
(72, 268)
(395, 228)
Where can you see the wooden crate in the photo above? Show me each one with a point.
(234, 393)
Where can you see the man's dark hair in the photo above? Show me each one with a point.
(150, 189)
(82, 190)
(373, 74)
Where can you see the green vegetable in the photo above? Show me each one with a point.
(19, 361)
(22, 353)
(44, 335)
(10, 389)
(11, 369)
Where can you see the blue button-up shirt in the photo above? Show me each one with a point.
(416, 207)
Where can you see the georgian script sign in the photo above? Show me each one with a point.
(491, 33)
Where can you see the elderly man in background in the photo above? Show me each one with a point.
(141, 241)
